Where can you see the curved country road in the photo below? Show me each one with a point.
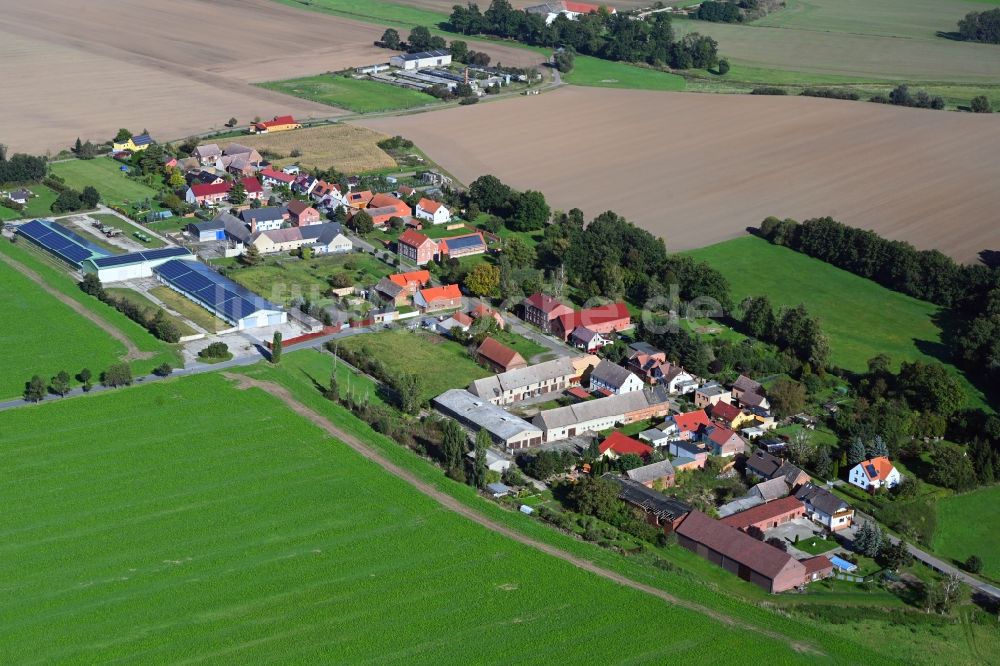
(449, 502)
(134, 353)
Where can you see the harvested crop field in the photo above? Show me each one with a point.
(179, 68)
(349, 148)
(699, 169)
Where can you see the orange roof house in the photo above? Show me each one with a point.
(499, 356)
(359, 199)
(432, 299)
(412, 280)
(874, 474)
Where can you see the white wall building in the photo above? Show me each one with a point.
(438, 58)
(874, 474)
(134, 265)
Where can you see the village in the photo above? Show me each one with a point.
(662, 434)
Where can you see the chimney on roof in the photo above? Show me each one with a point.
(253, 225)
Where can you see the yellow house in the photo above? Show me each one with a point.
(134, 144)
(279, 124)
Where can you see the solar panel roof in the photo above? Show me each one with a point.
(138, 257)
(60, 241)
(463, 242)
(213, 290)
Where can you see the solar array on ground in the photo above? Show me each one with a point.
(137, 257)
(60, 241)
(217, 293)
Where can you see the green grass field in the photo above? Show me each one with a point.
(282, 279)
(54, 274)
(38, 206)
(242, 534)
(103, 173)
(970, 525)
(382, 12)
(360, 96)
(860, 317)
(589, 71)
(522, 345)
(440, 363)
(870, 40)
(44, 336)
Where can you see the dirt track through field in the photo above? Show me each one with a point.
(698, 169)
(134, 353)
(452, 504)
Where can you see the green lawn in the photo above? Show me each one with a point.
(39, 205)
(62, 317)
(590, 71)
(242, 534)
(440, 363)
(860, 317)
(969, 524)
(189, 309)
(128, 229)
(151, 307)
(816, 545)
(382, 12)
(44, 336)
(283, 278)
(103, 173)
(360, 96)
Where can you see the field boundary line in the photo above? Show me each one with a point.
(281, 393)
(133, 352)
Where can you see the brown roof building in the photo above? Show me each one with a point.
(767, 516)
(765, 566)
(499, 356)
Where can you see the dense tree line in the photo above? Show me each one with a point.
(981, 26)
(600, 34)
(926, 274)
(522, 211)
(830, 93)
(21, 169)
(156, 323)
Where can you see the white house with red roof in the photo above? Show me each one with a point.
(277, 124)
(432, 211)
(873, 474)
(276, 178)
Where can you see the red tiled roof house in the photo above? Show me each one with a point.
(602, 319)
(499, 356)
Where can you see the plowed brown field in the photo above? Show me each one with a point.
(73, 68)
(699, 169)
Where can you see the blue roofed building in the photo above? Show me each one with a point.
(227, 300)
(60, 242)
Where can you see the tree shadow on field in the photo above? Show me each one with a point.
(953, 36)
(936, 350)
(991, 258)
(316, 385)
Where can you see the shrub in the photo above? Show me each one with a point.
(831, 93)
(768, 90)
(119, 374)
(163, 370)
(215, 350)
(466, 101)
(973, 564)
(980, 104)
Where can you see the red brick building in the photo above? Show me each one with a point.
(416, 247)
(541, 310)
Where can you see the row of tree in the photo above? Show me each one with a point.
(600, 34)
(791, 328)
(118, 374)
(156, 323)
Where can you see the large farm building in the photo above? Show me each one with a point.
(219, 295)
(133, 265)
